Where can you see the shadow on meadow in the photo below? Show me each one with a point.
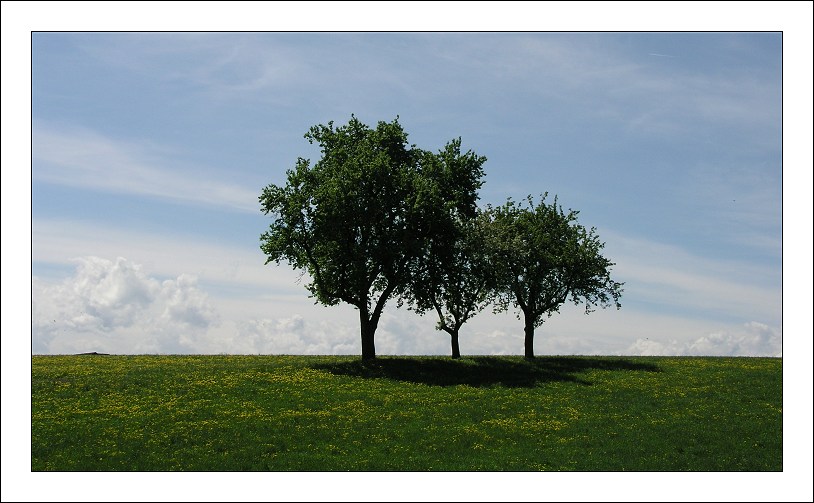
(482, 371)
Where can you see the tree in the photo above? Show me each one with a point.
(458, 277)
(358, 220)
(453, 275)
(543, 257)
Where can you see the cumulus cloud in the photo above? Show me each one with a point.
(112, 293)
(114, 306)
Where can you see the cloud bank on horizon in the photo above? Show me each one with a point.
(149, 151)
(115, 307)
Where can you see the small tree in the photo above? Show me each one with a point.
(360, 219)
(453, 274)
(458, 278)
(543, 257)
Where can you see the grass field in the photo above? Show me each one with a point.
(335, 413)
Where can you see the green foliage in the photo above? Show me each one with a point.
(323, 413)
(456, 178)
(543, 257)
(458, 275)
(452, 274)
(360, 221)
(346, 219)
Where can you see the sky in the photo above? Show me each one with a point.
(148, 150)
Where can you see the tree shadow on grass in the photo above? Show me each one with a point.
(483, 371)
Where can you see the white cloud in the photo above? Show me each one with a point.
(114, 293)
(184, 304)
(112, 306)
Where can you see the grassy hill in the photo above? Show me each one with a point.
(332, 413)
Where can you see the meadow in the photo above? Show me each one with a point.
(416, 413)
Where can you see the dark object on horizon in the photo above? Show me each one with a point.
(93, 353)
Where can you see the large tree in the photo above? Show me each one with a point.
(543, 258)
(359, 219)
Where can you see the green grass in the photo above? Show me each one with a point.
(332, 413)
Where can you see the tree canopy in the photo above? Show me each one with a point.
(360, 219)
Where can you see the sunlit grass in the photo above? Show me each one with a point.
(331, 413)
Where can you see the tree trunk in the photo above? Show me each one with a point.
(456, 351)
(368, 329)
(529, 343)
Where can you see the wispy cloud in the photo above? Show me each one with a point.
(81, 158)
(679, 281)
(589, 72)
(597, 72)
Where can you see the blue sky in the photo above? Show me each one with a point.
(148, 152)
